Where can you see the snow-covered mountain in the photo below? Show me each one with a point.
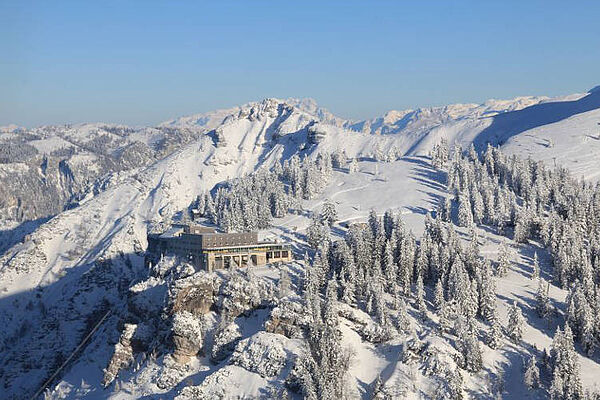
(64, 161)
(68, 274)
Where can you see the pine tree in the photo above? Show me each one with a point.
(536, 267)
(389, 223)
(494, 335)
(542, 300)
(446, 210)
(465, 216)
(285, 283)
(487, 293)
(347, 275)
(478, 206)
(522, 226)
(406, 264)
(379, 390)
(324, 366)
(468, 347)
(328, 213)
(353, 166)
(445, 324)
(439, 154)
(378, 303)
(461, 290)
(557, 388)
(339, 159)
(390, 269)
(531, 375)
(317, 234)
(566, 380)
(455, 385)
(503, 261)
(587, 334)
(403, 320)
(438, 298)
(516, 322)
(421, 306)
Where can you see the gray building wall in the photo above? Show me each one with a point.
(210, 250)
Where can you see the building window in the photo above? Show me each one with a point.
(284, 254)
(277, 254)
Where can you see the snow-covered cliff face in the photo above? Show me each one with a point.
(70, 270)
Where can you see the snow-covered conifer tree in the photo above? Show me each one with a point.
(390, 269)
(285, 283)
(421, 306)
(478, 206)
(389, 223)
(438, 298)
(328, 213)
(324, 366)
(536, 267)
(317, 234)
(465, 216)
(566, 379)
(494, 334)
(503, 261)
(468, 347)
(403, 320)
(542, 300)
(445, 324)
(516, 323)
(531, 375)
(487, 293)
(353, 166)
(446, 210)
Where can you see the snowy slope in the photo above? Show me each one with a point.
(410, 186)
(70, 267)
(112, 226)
(573, 142)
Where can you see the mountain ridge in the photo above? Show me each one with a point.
(86, 256)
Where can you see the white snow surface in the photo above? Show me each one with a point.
(113, 224)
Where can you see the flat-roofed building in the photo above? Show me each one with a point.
(208, 249)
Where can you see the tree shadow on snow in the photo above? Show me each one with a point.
(424, 173)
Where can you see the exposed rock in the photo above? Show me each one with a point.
(196, 299)
(187, 336)
(146, 298)
(287, 319)
(143, 336)
(122, 356)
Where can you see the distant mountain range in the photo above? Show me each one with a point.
(76, 201)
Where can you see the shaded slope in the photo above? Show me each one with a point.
(509, 124)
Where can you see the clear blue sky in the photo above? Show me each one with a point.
(148, 61)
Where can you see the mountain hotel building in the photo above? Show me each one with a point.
(208, 249)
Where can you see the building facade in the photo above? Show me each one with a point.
(208, 249)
